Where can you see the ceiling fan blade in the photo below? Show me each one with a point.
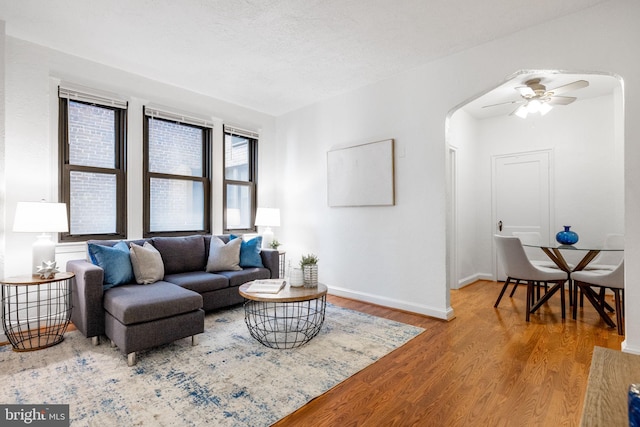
(561, 100)
(578, 84)
(517, 101)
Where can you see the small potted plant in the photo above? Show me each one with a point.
(275, 244)
(309, 265)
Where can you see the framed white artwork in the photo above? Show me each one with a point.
(361, 175)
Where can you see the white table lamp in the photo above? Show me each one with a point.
(267, 217)
(45, 218)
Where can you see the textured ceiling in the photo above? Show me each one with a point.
(271, 55)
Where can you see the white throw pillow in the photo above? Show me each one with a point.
(147, 263)
(224, 257)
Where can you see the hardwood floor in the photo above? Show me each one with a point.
(487, 367)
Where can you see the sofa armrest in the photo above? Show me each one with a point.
(88, 312)
(271, 260)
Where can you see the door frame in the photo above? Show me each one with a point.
(452, 206)
(494, 198)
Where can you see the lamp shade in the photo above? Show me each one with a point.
(268, 217)
(41, 217)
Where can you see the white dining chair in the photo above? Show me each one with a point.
(608, 260)
(518, 267)
(604, 279)
(535, 255)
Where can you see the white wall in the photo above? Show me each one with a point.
(396, 256)
(387, 255)
(30, 169)
(587, 168)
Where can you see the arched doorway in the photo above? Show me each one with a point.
(585, 139)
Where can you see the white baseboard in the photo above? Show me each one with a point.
(473, 278)
(447, 314)
(629, 349)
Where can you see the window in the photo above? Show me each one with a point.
(240, 173)
(177, 174)
(92, 135)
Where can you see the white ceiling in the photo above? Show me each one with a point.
(271, 55)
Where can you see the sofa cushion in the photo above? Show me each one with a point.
(198, 281)
(112, 243)
(114, 261)
(250, 252)
(147, 263)
(132, 304)
(237, 278)
(181, 254)
(207, 241)
(224, 257)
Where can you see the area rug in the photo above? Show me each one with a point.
(228, 379)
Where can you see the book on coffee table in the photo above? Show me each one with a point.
(267, 286)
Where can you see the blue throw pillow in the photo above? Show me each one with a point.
(115, 262)
(250, 252)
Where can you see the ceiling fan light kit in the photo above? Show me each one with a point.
(524, 110)
(537, 99)
(533, 106)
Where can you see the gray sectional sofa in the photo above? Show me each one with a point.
(136, 316)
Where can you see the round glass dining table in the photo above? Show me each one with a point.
(554, 252)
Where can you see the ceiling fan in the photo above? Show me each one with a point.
(536, 98)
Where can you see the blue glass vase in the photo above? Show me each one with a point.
(567, 237)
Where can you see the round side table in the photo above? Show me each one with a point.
(36, 312)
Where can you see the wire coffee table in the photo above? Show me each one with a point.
(288, 319)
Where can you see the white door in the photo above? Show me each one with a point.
(522, 196)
